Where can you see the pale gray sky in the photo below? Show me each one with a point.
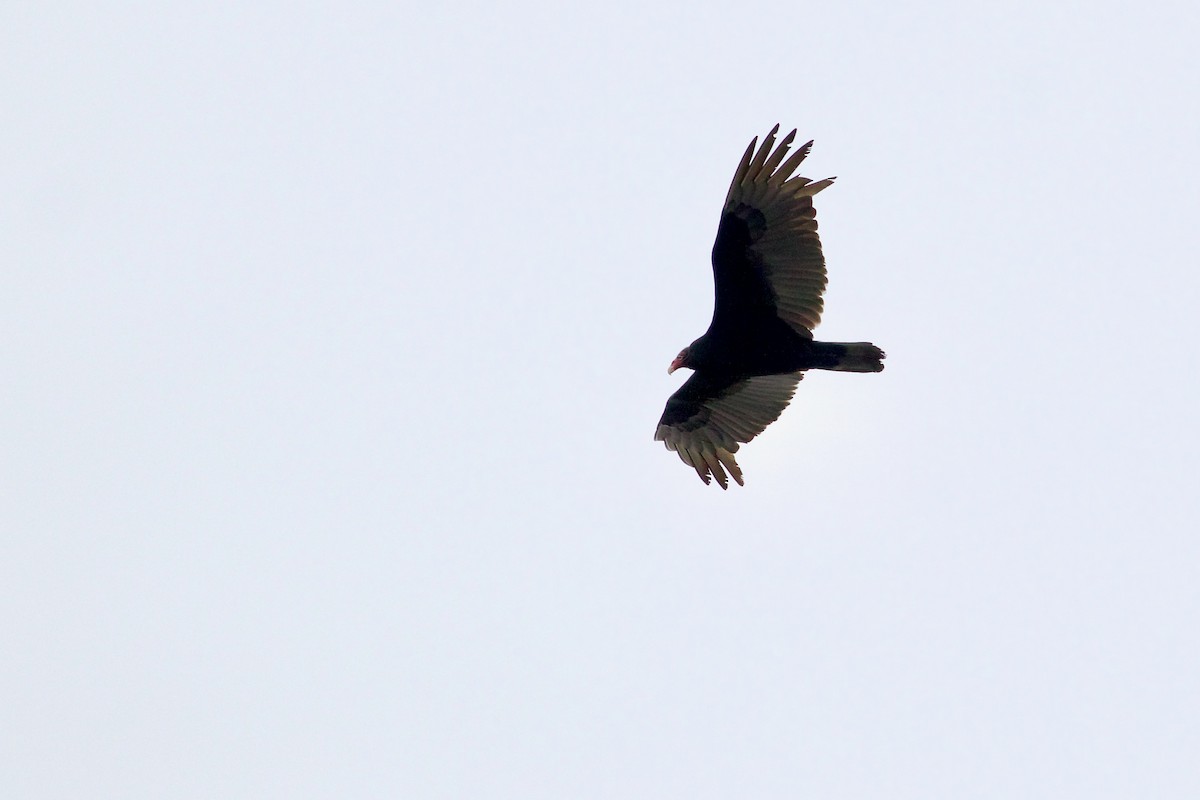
(333, 340)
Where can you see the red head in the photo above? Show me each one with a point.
(681, 360)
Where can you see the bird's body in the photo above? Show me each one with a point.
(769, 274)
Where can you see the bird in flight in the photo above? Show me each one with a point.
(769, 274)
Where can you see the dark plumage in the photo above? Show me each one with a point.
(769, 275)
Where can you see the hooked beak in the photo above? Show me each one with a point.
(676, 364)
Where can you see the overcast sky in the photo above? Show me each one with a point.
(333, 339)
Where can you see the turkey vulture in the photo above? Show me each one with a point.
(769, 274)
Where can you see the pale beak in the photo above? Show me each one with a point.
(676, 364)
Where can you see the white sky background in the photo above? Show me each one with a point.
(333, 340)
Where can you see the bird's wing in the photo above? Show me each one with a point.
(767, 257)
(707, 419)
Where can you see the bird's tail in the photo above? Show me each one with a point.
(849, 356)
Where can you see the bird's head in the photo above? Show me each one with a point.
(681, 360)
